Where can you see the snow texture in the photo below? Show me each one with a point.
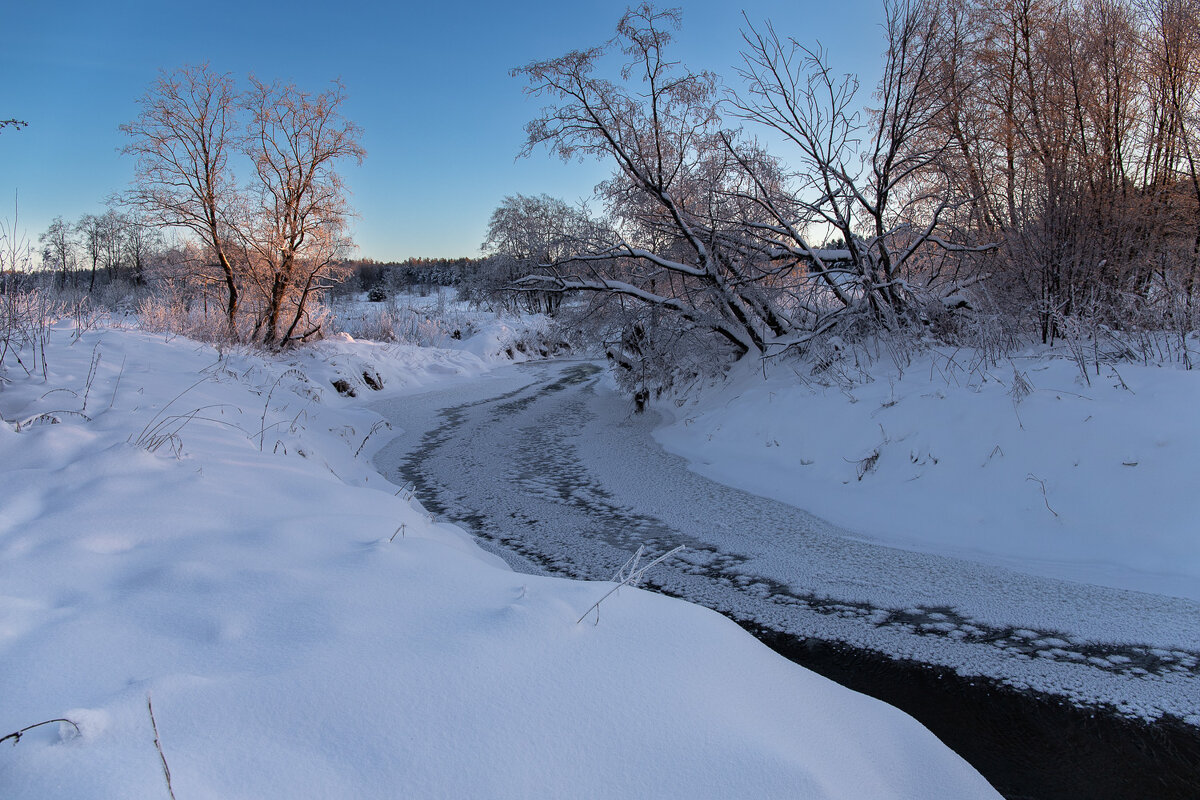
(550, 467)
(1020, 464)
(205, 529)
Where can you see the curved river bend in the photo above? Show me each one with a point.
(1036, 682)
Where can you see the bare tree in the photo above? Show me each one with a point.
(183, 139)
(1172, 47)
(295, 235)
(712, 235)
(277, 242)
(58, 248)
(669, 249)
(142, 243)
(114, 224)
(93, 231)
(879, 185)
(103, 237)
(1072, 123)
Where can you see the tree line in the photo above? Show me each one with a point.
(1027, 162)
(111, 245)
(1073, 130)
(261, 245)
(412, 273)
(1025, 165)
(263, 248)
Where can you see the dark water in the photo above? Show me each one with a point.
(1028, 745)
(548, 513)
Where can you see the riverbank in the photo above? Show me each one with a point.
(201, 568)
(1037, 462)
(1047, 685)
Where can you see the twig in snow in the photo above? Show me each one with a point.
(302, 412)
(16, 735)
(1020, 389)
(71, 392)
(49, 415)
(1042, 483)
(117, 385)
(153, 423)
(262, 428)
(1124, 385)
(166, 430)
(383, 423)
(158, 746)
(91, 376)
(630, 578)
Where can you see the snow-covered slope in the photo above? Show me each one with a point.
(1025, 464)
(205, 530)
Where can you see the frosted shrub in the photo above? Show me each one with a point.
(162, 312)
(172, 311)
(25, 319)
(391, 321)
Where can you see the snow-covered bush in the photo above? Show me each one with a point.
(392, 320)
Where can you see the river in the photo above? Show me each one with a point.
(550, 470)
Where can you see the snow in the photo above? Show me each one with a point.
(1023, 463)
(552, 469)
(205, 529)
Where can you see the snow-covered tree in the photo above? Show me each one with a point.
(524, 235)
(295, 229)
(710, 239)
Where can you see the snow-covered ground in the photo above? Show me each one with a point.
(1024, 464)
(550, 466)
(204, 530)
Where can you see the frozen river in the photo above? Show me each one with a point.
(551, 471)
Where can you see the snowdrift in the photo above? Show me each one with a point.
(203, 531)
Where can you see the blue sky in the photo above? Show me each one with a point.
(428, 83)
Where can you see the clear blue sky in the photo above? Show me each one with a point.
(428, 83)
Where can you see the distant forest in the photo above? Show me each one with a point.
(412, 274)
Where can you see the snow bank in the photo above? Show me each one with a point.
(1026, 464)
(205, 530)
(441, 321)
